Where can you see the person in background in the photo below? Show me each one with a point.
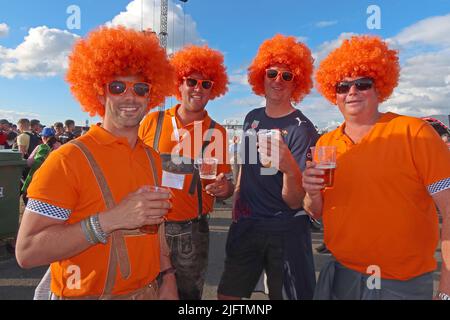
(59, 130)
(4, 129)
(68, 134)
(38, 156)
(36, 128)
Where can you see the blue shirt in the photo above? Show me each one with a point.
(261, 195)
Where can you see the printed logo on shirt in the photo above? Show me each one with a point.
(255, 124)
(299, 121)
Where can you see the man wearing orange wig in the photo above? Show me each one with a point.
(183, 134)
(270, 229)
(92, 197)
(392, 171)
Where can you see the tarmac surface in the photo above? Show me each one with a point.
(19, 284)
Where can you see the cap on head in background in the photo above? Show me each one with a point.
(48, 132)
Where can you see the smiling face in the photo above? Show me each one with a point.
(277, 89)
(358, 103)
(126, 110)
(195, 98)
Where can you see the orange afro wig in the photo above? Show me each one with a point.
(204, 60)
(109, 52)
(283, 50)
(361, 56)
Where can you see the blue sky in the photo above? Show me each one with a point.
(35, 41)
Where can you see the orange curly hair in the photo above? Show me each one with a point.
(361, 56)
(109, 52)
(204, 60)
(283, 50)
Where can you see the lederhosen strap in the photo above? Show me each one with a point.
(158, 130)
(118, 251)
(196, 182)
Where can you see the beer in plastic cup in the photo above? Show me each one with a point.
(328, 177)
(265, 138)
(153, 228)
(207, 168)
(325, 159)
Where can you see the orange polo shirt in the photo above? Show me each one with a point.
(65, 188)
(189, 145)
(380, 210)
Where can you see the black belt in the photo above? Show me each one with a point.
(195, 220)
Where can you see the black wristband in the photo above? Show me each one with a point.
(170, 270)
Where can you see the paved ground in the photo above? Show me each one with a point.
(18, 284)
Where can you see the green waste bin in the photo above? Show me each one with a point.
(11, 167)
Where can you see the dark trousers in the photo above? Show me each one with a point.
(281, 247)
(189, 245)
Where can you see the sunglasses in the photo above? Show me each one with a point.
(273, 74)
(119, 88)
(192, 83)
(362, 84)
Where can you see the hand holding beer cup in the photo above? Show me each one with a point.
(264, 144)
(207, 168)
(324, 159)
(274, 152)
(154, 228)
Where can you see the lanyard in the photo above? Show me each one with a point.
(176, 132)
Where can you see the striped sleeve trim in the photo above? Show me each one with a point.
(439, 186)
(48, 210)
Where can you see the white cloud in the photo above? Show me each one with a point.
(324, 24)
(14, 116)
(43, 53)
(239, 79)
(430, 31)
(182, 29)
(4, 30)
(325, 48)
(302, 39)
(424, 88)
(320, 111)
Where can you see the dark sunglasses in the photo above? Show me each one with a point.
(119, 88)
(206, 84)
(273, 74)
(362, 84)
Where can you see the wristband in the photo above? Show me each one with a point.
(100, 235)
(170, 270)
(443, 296)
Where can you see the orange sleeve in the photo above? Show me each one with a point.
(431, 158)
(55, 183)
(147, 128)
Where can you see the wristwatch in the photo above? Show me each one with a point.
(443, 296)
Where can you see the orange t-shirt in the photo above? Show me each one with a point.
(65, 188)
(380, 210)
(188, 144)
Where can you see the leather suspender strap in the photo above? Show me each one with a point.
(158, 131)
(118, 250)
(196, 182)
(162, 230)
